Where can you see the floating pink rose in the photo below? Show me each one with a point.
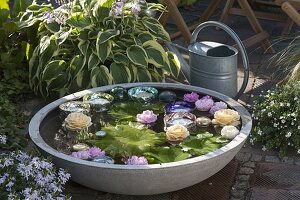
(147, 117)
(191, 97)
(204, 104)
(90, 153)
(81, 154)
(135, 160)
(217, 106)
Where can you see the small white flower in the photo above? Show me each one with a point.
(283, 121)
(289, 134)
(264, 148)
(269, 114)
(298, 152)
(259, 132)
(275, 125)
(292, 123)
(281, 104)
(288, 104)
(298, 127)
(3, 139)
(295, 98)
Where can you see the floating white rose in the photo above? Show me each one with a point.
(77, 121)
(229, 132)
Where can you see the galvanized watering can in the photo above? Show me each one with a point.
(214, 65)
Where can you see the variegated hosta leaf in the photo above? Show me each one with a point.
(93, 61)
(100, 76)
(143, 75)
(156, 28)
(145, 36)
(83, 78)
(120, 58)
(83, 46)
(156, 54)
(103, 50)
(76, 64)
(107, 35)
(78, 20)
(174, 64)
(53, 69)
(120, 73)
(137, 55)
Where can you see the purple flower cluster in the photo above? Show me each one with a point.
(55, 16)
(135, 160)
(191, 97)
(217, 106)
(117, 8)
(91, 153)
(205, 103)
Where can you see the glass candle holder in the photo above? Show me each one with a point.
(179, 106)
(143, 94)
(73, 106)
(186, 119)
(99, 101)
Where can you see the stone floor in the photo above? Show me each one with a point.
(252, 174)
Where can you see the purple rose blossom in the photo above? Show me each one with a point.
(147, 117)
(217, 106)
(81, 154)
(96, 152)
(191, 97)
(135, 160)
(204, 104)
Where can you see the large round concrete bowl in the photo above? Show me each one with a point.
(139, 180)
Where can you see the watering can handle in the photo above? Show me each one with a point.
(230, 32)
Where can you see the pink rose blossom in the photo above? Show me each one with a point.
(191, 97)
(96, 152)
(147, 117)
(81, 154)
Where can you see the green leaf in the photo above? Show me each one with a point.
(125, 141)
(20, 6)
(76, 64)
(175, 65)
(62, 36)
(103, 50)
(53, 27)
(121, 58)
(44, 43)
(165, 155)
(128, 110)
(93, 61)
(137, 55)
(49, 51)
(120, 73)
(78, 20)
(83, 78)
(107, 35)
(53, 69)
(143, 75)
(58, 83)
(201, 145)
(83, 47)
(156, 53)
(100, 76)
(101, 10)
(145, 36)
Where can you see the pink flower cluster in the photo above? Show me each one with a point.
(217, 106)
(135, 160)
(90, 153)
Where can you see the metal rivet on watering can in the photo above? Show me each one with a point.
(214, 65)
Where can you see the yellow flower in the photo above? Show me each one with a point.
(177, 133)
(77, 121)
(225, 117)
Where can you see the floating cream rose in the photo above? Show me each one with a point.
(229, 132)
(77, 121)
(225, 117)
(177, 133)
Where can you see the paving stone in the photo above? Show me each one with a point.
(243, 177)
(273, 159)
(249, 164)
(241, 185)
(256, 157)
(246, 170)
(238, 193)
(258, 193)
(297, 161)
(287, 160)
(243, 156)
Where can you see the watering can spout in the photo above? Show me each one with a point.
(213, 65)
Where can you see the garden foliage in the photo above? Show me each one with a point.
(90, 43)
(277, 116)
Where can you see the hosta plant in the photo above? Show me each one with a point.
(91, 43)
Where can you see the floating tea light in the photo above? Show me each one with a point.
(80, 147)
(167, 96)
(99, 101)
(73, 106)
(176, 133)
(119, 93)
(185, 119)
(100, 133)
(143, 94)
(104, 160)
(77, 122)
(203, 121)
(179, 106)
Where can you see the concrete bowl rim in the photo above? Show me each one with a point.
(42, 113)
